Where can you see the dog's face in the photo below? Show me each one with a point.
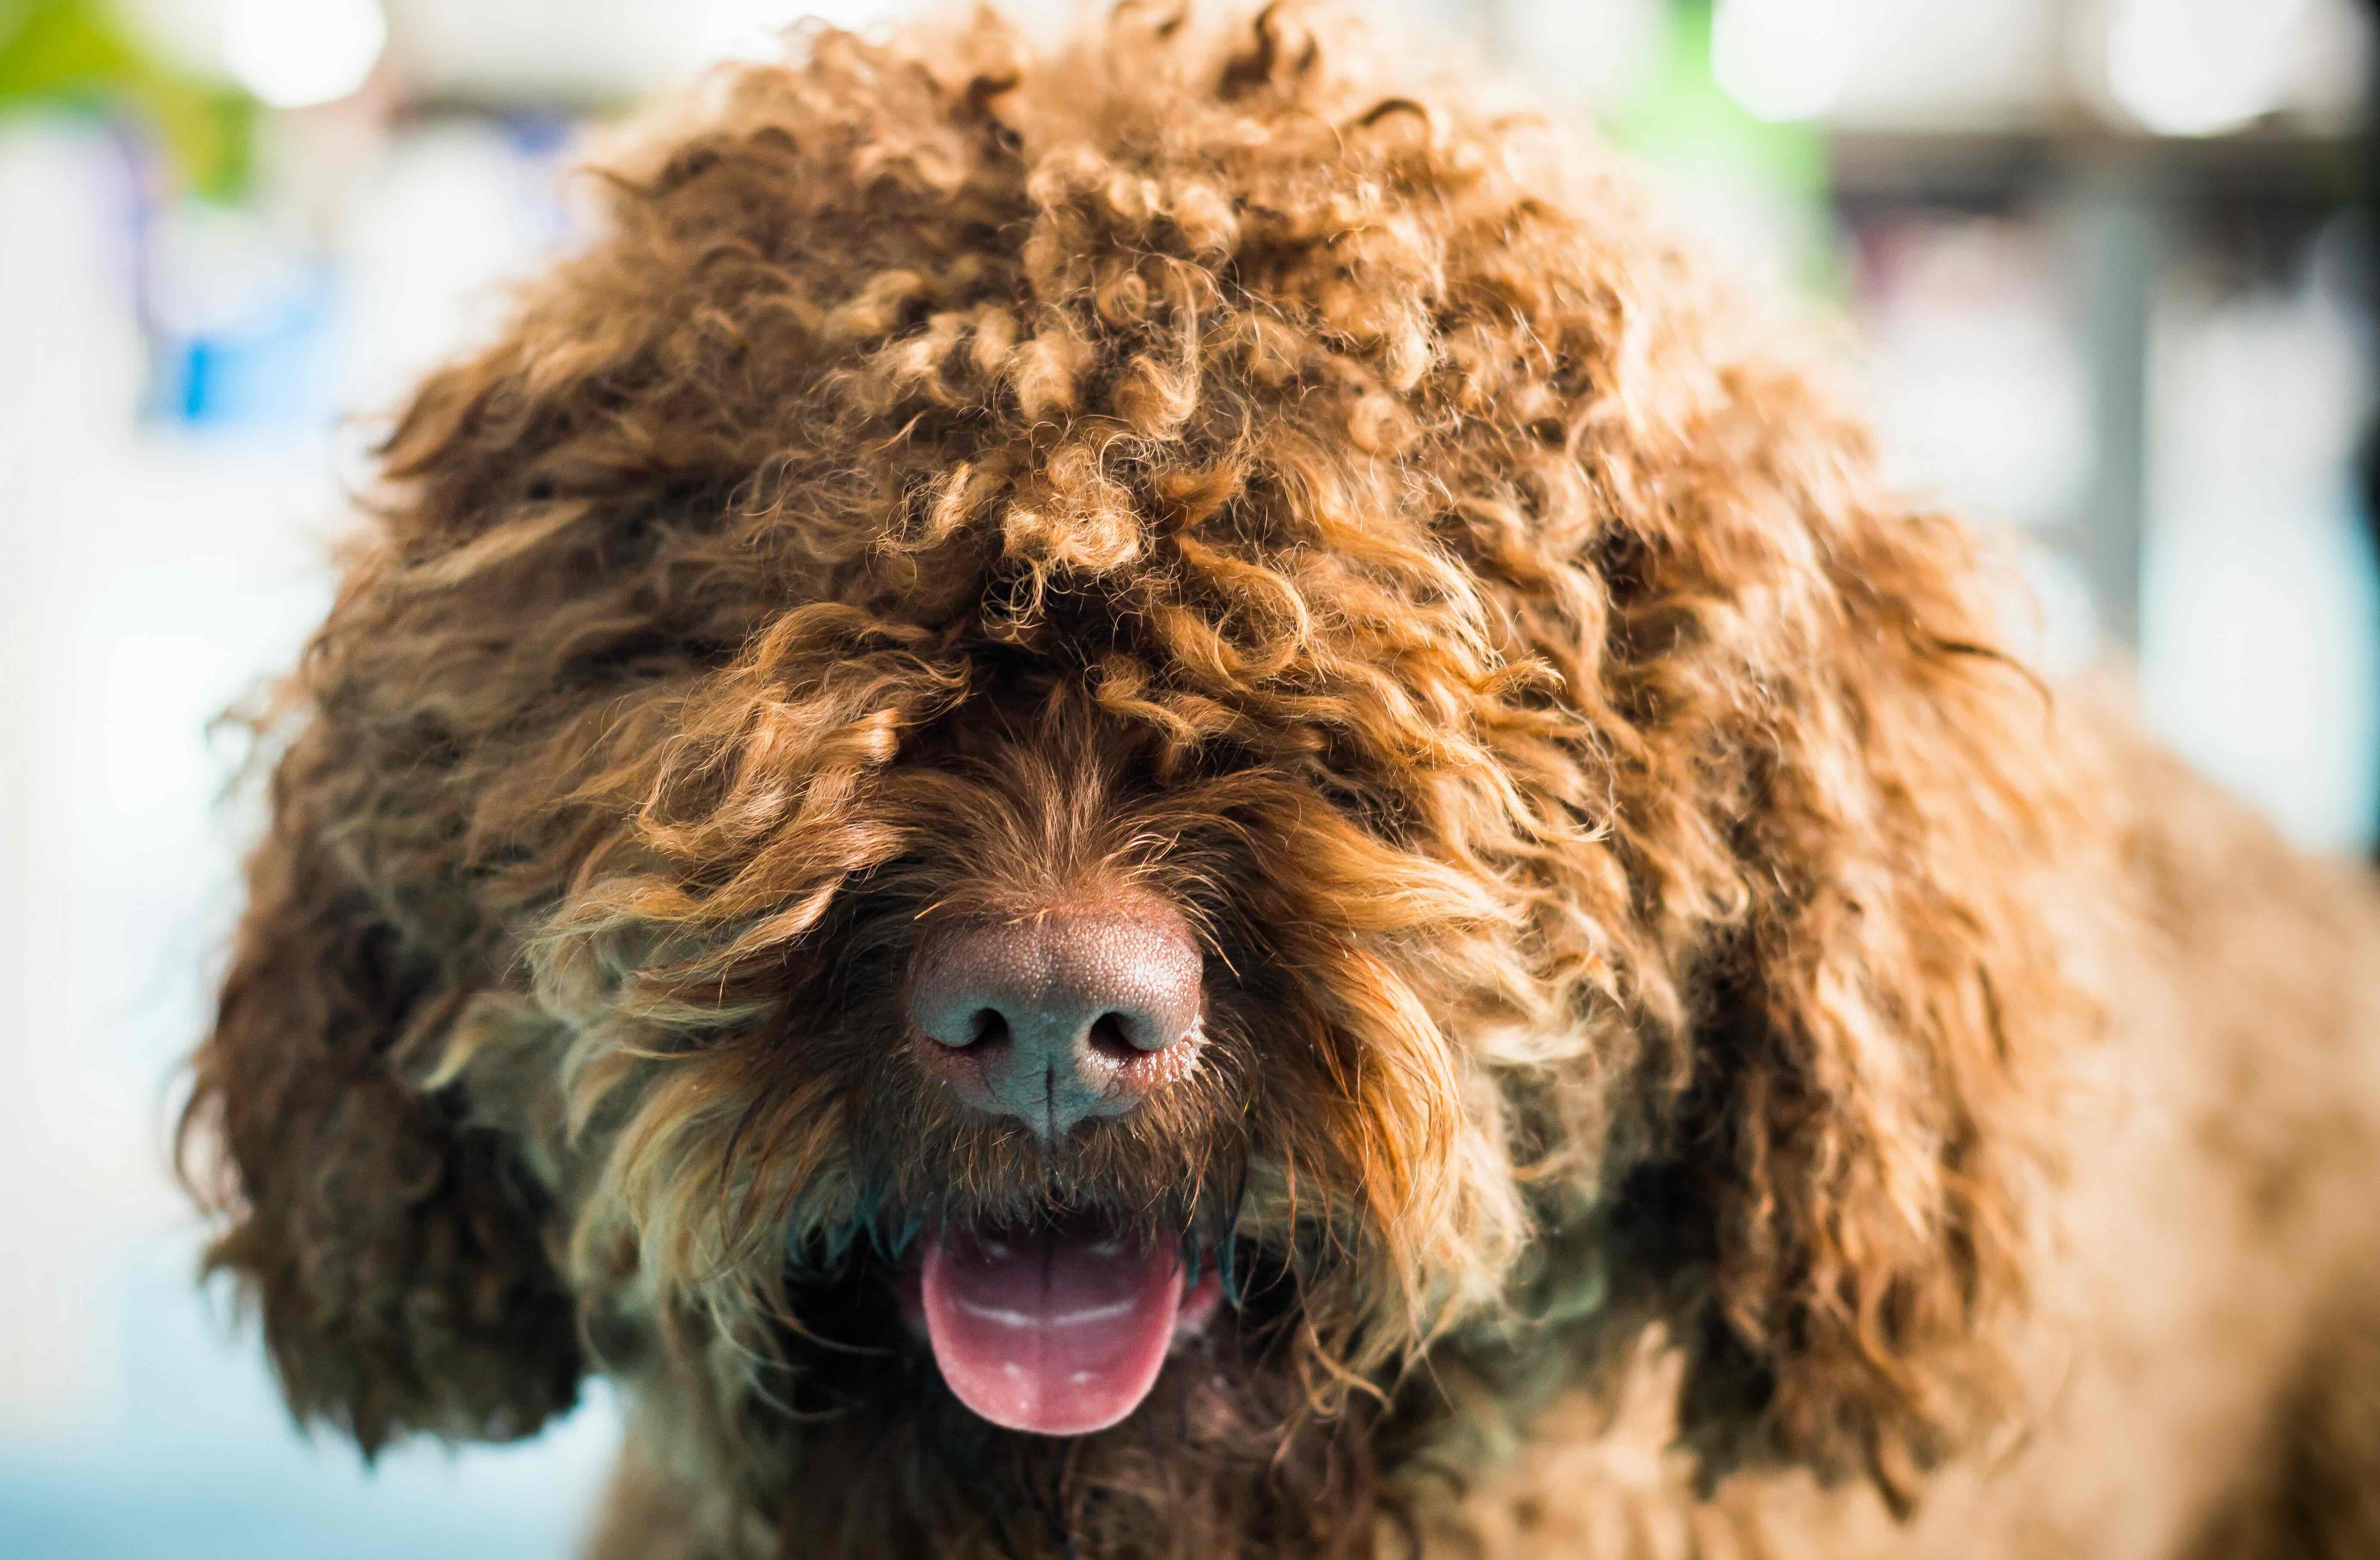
(1119, 1084)
(1064, 761)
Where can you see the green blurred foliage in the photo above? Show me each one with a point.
(1682, 122)
(78, 53)
(1684, 114)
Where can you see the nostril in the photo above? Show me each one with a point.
(987, 1026)
(1111, 1039)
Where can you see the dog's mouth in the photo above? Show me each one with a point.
(1056, 1328)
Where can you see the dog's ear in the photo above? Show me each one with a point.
(1876, 828)
(395, 1252)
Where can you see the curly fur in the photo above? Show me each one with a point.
(1669, 963)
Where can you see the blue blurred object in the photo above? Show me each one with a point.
(281, 368)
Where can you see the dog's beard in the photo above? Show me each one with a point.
(1201, 1390)
(1226, 1432)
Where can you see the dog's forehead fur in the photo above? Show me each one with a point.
(1191, 460)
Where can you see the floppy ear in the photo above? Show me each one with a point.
(1875, 1027)
(394, 1252)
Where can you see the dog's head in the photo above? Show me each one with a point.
(1068, 756)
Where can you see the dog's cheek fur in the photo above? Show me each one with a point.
(396, 1253)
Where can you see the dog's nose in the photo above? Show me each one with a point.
(1063, 1015)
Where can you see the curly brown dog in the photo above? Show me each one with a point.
(1163, 801)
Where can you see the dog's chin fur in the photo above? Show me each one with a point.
(1227, 1450)
(1648, 913)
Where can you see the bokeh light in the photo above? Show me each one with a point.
(2198, 68)
(1785, 59)
(293, 54)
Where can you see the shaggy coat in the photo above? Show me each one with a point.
(1703, 1054)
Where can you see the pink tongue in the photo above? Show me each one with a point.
(1053, 1332)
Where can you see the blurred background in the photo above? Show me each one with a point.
(2107, 261)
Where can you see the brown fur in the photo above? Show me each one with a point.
(1706, 1054)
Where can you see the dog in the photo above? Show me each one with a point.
(1162, 798)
